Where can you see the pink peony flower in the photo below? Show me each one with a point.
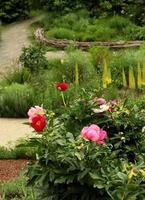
(94, 133)
(102, 136)
(114, 102)
(100, 101)
(34, 111)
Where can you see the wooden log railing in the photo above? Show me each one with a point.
(63, 43)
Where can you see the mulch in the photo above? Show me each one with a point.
(10, 169)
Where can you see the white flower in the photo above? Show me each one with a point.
(102, 108)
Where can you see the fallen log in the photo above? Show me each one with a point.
(63, 43)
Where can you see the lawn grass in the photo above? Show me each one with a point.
(16, 189)
(22, 150)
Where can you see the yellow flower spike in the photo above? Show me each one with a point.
(131, 79)
(124, 78)
(104, 74)
(143, 74)
(139, 79)
(76, 74)
(106, 77)
(109, 76)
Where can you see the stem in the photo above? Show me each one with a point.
(63, 99)
(123, 196)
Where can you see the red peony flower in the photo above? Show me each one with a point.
(62, 86)
(38, 123)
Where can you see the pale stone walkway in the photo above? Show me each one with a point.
(13, 39)
(12, 130)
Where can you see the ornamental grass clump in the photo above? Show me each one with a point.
(84, 154)
(15, 99)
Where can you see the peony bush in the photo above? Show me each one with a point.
(88, 155)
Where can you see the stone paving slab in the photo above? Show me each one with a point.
(55, 54)
(12, 130)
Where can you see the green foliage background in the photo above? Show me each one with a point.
(133, 9)
(12, 10)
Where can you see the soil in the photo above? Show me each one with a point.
(10, 169)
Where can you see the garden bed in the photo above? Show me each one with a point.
(10, 169)
(63, 43)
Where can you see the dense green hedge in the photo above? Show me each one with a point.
(101, 7)
(11, 10)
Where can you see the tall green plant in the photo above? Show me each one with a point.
(131, 81)
(124, 78)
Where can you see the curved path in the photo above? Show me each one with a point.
(13, 39)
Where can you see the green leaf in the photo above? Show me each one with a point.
(78, 155)
(94, 176)
(83, 173)
(122, 176)
(98, 185)
(60, 142)
(60, 180)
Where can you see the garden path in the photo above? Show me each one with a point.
(13, 39)
(12, 130)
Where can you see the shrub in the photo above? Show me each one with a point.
(71, 167)
(33, 58)
(140, 34)
(66, 21)
(18, 76)
(79, 26)
(61, 33)
(15, 100)
(66, 70)
(12, 10)
(103, 33)
(99, 54)
(119, 23)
